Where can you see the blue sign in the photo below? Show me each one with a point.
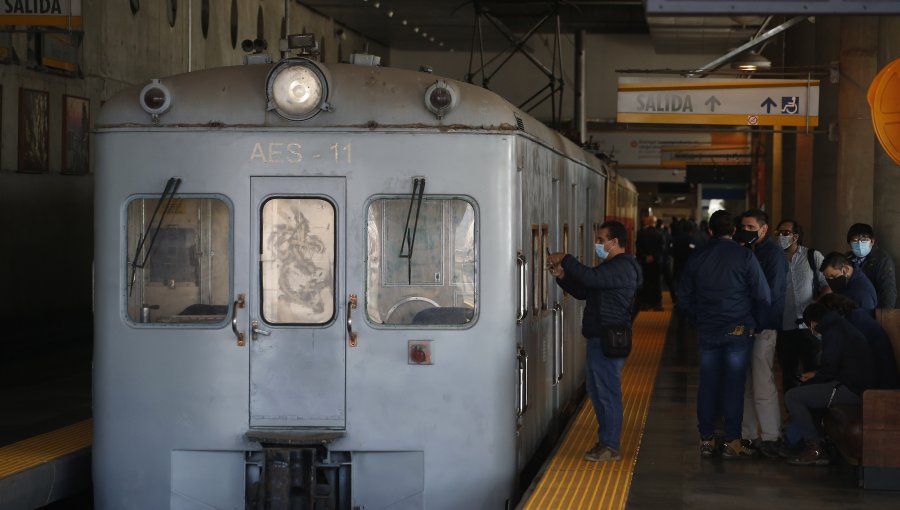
(790, 105)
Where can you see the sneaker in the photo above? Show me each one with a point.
(707, 447)
(750, 444)
(813, 454)
(595, 450)
(601, 453)
(735, 450)
(786, 451)
(770, 449)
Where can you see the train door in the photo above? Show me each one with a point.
(297, 340)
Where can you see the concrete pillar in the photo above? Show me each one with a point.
(775, 209)
(803, 177)
(580, 83)
(856, 150)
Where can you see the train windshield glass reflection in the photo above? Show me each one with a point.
(428, 282)
(185, 279)
(297, 260)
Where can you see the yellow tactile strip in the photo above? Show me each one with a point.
(44, 448)
(570, 482)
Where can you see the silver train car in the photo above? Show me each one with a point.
(322, 286)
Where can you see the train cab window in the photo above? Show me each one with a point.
(420, 265)
(297, 260)
(183, 252)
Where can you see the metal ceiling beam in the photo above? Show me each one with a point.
(752, 43)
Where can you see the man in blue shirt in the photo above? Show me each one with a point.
(844, 279)
(724, 292)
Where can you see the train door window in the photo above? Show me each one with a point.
(420, 266)
(565, 238)
(181, 270)
(580, 241)
(297, 260)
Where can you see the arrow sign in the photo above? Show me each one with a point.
(712, 102)
(768, 104)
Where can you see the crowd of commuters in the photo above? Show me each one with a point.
(756, 295)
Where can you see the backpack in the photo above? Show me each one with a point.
(811, 258)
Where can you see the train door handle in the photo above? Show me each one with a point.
(522, 266)
(240, 302)
(351, 305)
(256, 331)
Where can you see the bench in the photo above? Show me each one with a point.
(869, 437)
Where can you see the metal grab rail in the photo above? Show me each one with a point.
(238, 303)
(558, 344)
(522, 266)
(522, 400)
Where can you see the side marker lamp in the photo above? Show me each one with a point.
(297, 89)
(441, 98)
(155, 99)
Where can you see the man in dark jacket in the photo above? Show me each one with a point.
(609, 290)
(650, 245)
(762, 411)
(875, 263)
(846, 280)
(724, 292)
(846, 371)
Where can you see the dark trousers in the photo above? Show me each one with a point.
(796, 350)
(650, 292)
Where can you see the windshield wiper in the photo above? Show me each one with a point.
(167, 195)
(409, 237)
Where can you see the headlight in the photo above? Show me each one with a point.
(155, 98)
(297, 89)
(440, 98)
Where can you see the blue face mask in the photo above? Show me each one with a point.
(861, 248)
(601, 252)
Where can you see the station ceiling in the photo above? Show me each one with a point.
(438, 25)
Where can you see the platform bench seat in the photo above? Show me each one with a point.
(869, 437)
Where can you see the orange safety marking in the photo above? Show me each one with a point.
(44, 448)
(570, 482)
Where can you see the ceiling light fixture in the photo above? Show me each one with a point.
(750, 61)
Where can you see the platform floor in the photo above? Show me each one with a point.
(668, 472)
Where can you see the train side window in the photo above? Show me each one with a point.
(297, 259)
(185, 278)
(421, 261)
(536, 269)
(545, 275)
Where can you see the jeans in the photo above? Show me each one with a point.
(604, 386)
(724, 360)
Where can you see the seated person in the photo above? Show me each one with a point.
(879, 342)
(844, 279)
(846, 371)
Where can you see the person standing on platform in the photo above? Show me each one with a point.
(724, 292)
(609, 292)
(874, 262)
(762, 412)
(649, 246)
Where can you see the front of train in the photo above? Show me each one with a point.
(285, 315)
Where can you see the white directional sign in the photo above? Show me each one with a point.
(716, 101)
(47, 13)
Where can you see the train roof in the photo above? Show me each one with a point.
(362, 97)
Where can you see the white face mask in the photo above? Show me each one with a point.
(785, 241)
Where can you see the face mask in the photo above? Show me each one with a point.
(601, 252)
(745, 237)
(861, 248)
(839, 283)
(785, 241)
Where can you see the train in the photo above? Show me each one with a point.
(324, 286)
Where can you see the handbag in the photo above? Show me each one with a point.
(616, 342)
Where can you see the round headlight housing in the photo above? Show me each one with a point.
(155, 98)
(297, 89)
(440, 98)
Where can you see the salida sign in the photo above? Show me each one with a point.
(59, 13)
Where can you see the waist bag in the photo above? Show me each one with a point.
(616, 342)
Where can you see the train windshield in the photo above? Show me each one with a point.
(432, 282)
(185, 273)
